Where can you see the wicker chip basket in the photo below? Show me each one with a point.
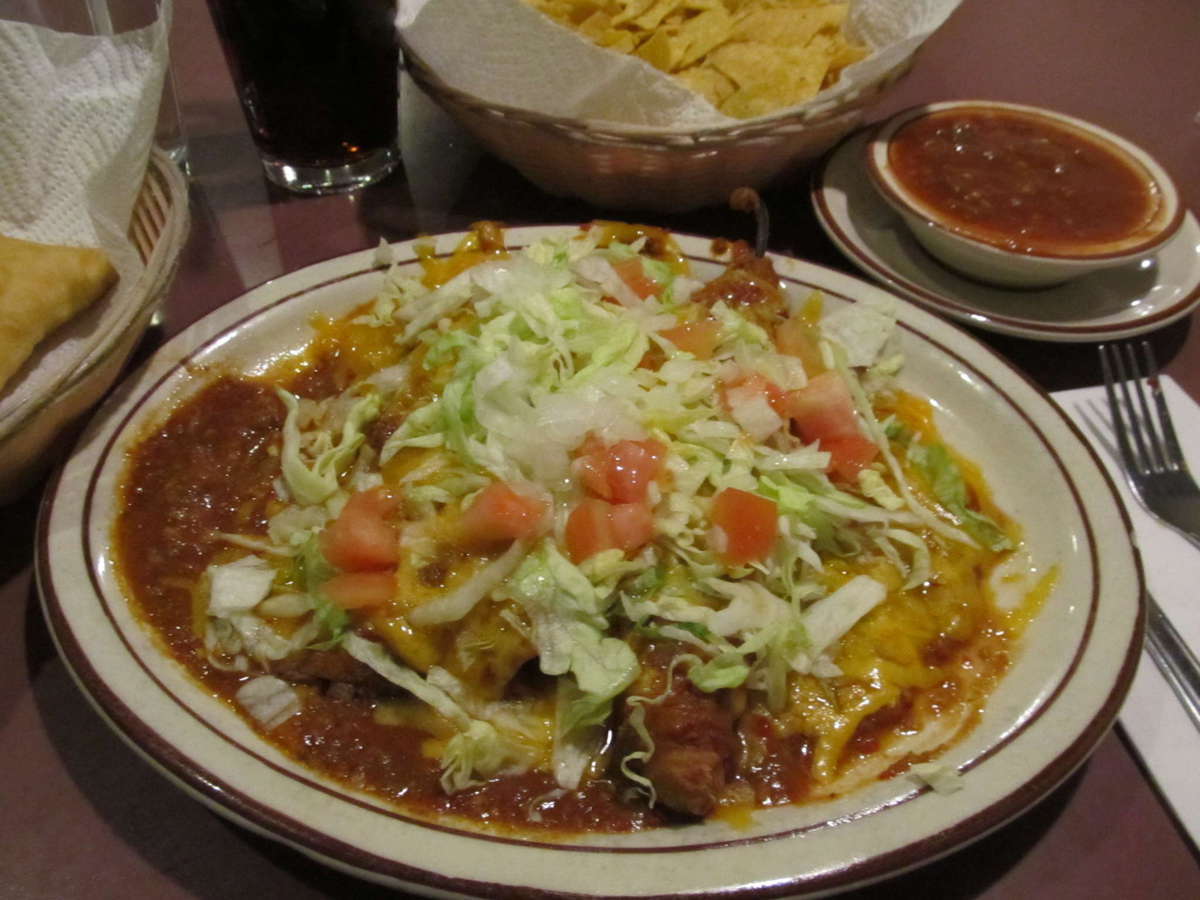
(158, 228)
(646, 169)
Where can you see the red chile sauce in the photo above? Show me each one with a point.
(209, 469)
(1020, 182)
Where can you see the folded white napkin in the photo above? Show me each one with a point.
(1154, 720)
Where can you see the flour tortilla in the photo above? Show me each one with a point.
(43, 286)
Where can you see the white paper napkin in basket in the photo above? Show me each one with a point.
(1161, 731)
(77, 117)
(506, 53)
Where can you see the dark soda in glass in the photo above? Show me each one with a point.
(317, 82)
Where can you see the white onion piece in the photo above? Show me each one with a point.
(750, 408)
(239, 585)
(270, 700)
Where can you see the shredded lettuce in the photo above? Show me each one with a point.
(950, 488)
(312, 571)
(863, 330)
(568, 617)
(871, 483)
(475, 754)
(311, 484)
(728, 670)
(452, 606)
(526, 356)
(479, 750)
(569, 623)
(827, 620)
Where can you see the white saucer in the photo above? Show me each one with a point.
(1107, 305)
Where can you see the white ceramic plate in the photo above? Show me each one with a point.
(1057, 701)
(1108, 305)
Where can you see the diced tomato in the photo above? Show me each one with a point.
(849, 455)
(823, 411)
(591, 464)
(362, 538)
(632, 466)
(750, 523)
(500, 513)
(755, 381)
(596, 525)
(632, 525)
(355, 590)
(823, 408)
(589, 529)
(697, 338)
(621, 472)
(796, 337)
(633, 273)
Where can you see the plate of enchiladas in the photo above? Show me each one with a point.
(593, 561)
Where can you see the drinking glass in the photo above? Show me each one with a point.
(317, 80)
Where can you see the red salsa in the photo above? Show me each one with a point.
(1021, 182)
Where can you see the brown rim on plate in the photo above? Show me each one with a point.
(215, 790)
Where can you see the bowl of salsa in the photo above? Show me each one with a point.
(1018, 195)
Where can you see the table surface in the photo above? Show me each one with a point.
(83, 816)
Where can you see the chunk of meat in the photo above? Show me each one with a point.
(750, 285)
(379, 429)
(695, 744)
(334, 670)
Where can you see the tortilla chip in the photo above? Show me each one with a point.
(845, 54)
(654, 15)
(663, 50)
(570, 12)
(788, 27)
(631, 9)
(42, 286)
(704, 33)
(767, 81)
(748, 57)
(707, 82)
(622, 42)
(597, 27)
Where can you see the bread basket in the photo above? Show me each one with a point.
(644, 168)
(157, 229)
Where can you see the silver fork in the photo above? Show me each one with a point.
(1151, 453)
(1154, 465)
